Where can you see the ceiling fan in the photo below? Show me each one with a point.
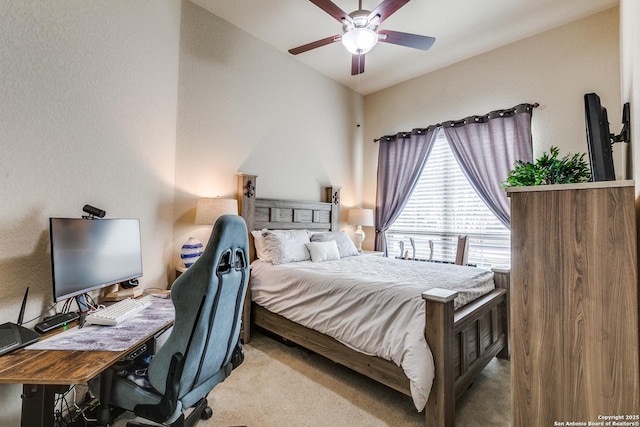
(360, 31)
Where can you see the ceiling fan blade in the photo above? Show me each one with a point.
(406, 39)
(357, 64)
(332, 9)
(315, 44)
(387, 8)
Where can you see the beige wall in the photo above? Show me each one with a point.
(555, 68)
(113, 104)
(246, 107)
(88, 115)
(93, 105)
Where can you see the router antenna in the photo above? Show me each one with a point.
(24, 304)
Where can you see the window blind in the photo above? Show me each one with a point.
(443, 206)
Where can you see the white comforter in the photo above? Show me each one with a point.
(371, 304)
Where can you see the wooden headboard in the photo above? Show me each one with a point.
(276, 214)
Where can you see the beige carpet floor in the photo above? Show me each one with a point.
(280, 385)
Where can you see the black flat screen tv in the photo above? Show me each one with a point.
(599, 139)
(91, 254)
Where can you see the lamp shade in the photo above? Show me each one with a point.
(359, 41)
(208, 210)
(358, 216)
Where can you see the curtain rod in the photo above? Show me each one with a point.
(520, 108)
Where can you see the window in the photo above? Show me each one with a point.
(444, 205)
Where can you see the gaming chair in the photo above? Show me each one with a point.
(203, 346)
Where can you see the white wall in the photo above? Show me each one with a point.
(88, 115)
(246, 107)
(555, 68)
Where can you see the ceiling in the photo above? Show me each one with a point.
(462, 28)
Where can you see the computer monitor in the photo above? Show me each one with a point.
(599, 139)
(89, 254)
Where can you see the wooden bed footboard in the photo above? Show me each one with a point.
(463, 342)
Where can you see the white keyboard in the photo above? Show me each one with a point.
(115, 313)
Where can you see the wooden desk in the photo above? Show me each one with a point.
(44, 373)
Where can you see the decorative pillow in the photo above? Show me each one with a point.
(323, 251)
(258, 242)
(345, 245)
(285, 246)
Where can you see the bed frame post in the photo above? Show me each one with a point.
(440, 409)
(502, 279)
(246, 194)
(333, 197)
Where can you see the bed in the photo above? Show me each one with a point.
(464, 332)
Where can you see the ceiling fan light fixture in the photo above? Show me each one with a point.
(359, 41)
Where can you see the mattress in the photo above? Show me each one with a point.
(371, 304)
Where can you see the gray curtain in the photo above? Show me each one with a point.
(486, 147)
(401, 159)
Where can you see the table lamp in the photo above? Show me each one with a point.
(207, 212)
(360, 217)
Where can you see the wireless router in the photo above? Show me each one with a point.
(14, 336)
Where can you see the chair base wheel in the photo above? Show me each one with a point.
(206, 413)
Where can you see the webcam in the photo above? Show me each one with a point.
(93, 212)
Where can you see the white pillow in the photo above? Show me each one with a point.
(323, 251)
(285, 246)
(258, 242)
(345, 245)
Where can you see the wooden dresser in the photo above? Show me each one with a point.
(574, 304)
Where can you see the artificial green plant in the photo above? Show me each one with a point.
(549, 169)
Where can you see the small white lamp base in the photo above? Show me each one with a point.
(359, 238)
